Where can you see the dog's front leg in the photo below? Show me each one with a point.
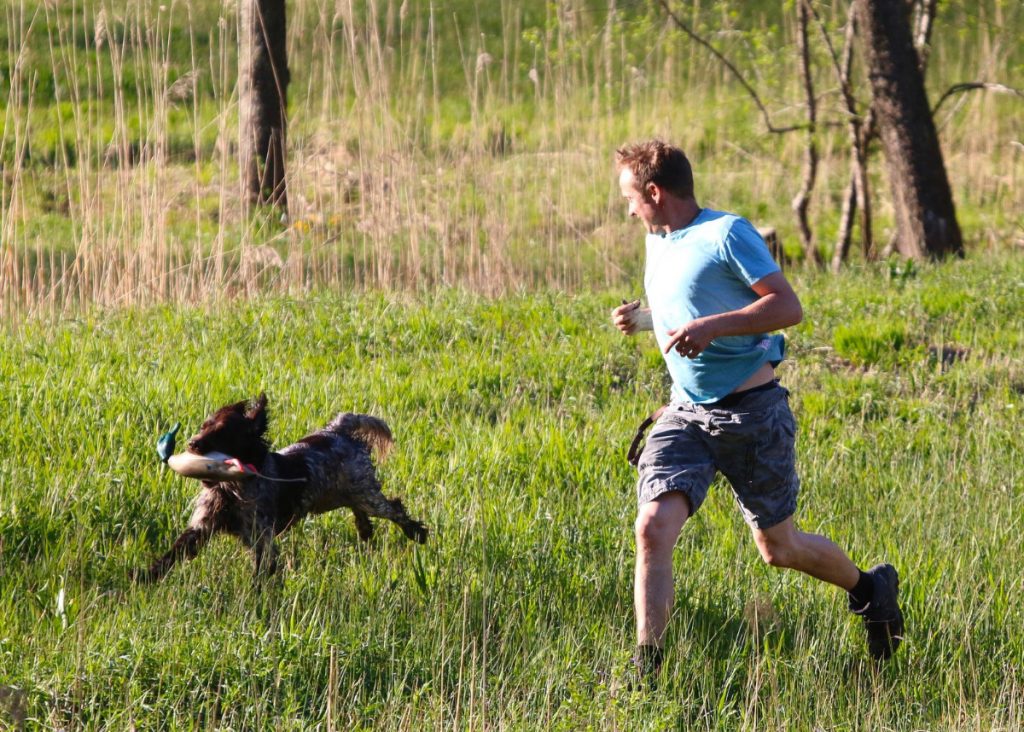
(363, 526)
(265, 555)
(187, 546)
(264, 550)
(205, 520)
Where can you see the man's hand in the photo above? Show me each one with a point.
(630, 318)
(776, 306)
(691, 338)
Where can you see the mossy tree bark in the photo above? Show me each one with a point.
(926, 224)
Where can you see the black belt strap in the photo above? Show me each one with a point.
(732, 400)
(635, 448)
(728, 401)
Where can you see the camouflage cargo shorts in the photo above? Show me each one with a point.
(751, 441)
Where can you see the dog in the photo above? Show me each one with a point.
(329, 469)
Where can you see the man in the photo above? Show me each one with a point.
(715, 296)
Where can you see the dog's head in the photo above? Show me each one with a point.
(237, 430)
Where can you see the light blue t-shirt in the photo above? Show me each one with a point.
(703, 269)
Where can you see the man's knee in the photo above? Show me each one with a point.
(657, 529)
(776, 551)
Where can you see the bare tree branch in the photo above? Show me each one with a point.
(735, 72)
(860, 129)
(801, 202)
(842, 69)
(844, 237)
(972, 86)
(924, 19)
(846, 217)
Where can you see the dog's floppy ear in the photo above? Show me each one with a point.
(237, 407)
(257, 414)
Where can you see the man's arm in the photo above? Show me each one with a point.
(777, 306)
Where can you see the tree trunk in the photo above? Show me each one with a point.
(262, 100)
(926, 222)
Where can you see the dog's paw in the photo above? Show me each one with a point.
(141, 576)
(417, 532)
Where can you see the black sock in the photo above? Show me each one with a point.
(648, 659)
(862, 592)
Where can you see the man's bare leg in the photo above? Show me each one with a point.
(658, 524)
(874, 595)
(784, 546)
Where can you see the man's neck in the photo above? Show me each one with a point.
(678, 213)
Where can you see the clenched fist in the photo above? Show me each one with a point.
(630, 318)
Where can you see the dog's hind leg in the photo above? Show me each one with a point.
(363, 526)
(375, 504)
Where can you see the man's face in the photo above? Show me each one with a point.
(642, 204)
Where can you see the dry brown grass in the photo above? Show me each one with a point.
(492, 174)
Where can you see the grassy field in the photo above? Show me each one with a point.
(512, 417)
(453, 245)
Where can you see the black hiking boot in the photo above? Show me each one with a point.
(882, 617)
(644, 668)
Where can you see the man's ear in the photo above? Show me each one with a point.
(257, 414)
(654, 192)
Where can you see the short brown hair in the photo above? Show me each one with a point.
(657, 162)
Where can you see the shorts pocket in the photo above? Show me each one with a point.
(775, 459)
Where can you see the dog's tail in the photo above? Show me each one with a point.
(371, 431)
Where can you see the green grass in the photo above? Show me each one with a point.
(511, 418)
